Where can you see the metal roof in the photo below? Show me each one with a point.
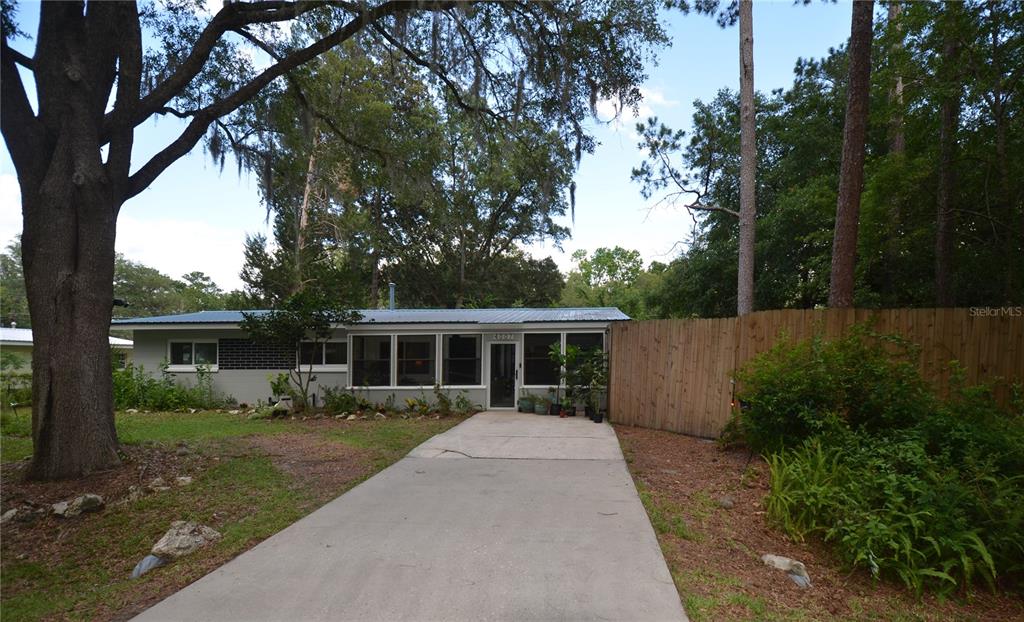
(411, 316)
(19, 336)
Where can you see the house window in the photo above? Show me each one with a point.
(191, 354)
(416, 360)
(371, 360)
(119, 359)
(461, 360)
(538, 368)
(330, 354)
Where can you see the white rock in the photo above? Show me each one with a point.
(184, 480)
(60, 508)
(85, 503)
(796, 570)
(351, 418)
(192, 411)
(182, 538)
(234, 412)
(157, 485)
(132, 410)
(380, 416)
(8, 515)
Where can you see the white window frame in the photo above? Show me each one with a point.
(392, 362)
(323, 367)
(440, 359)
(191, 368)
(394, 357)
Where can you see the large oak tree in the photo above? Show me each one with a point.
(97, 78)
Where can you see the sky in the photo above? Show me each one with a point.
(196, 216)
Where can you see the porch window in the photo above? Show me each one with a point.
(371, 360)
(538, 368)
(461, 360)
(416, 360)
(585, 341)
(191, 354)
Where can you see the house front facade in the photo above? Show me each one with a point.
(493, 355)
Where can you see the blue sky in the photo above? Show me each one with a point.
(195, 217)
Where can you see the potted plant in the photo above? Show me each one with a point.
(540, 406)
(525, 402)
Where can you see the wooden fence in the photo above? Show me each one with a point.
(676, 374)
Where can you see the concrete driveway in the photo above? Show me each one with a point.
(503, 517)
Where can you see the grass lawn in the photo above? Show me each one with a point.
(251, 478)
(714, 552)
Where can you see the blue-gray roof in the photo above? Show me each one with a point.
(412, 316)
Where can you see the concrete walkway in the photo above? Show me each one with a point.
(503, 517)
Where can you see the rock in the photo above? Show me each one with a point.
(132, 410)
(234, 412)
(192, 411)
(726, 502)
(8, 515)
(380, 416)
(182, 538)
(157, 485)
(184, 480)
(148, 563)
(85, 503)
(796, 571)
(183, 451)
(351, 418)
(60, 508)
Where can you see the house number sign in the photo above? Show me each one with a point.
(503, 337)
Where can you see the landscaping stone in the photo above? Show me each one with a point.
(726, 502)
(234, 412)
(380, 416)
(8, 515)
(85, 503)
(184, 480)
(148, 563)
(183, 450)
(351, 418)
(132, 410)
(796, 571)
(157, 485)
(60, 508)
(182, 538)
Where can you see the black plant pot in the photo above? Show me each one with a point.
(553, 409)
(590, 412)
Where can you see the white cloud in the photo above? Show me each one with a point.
(177, 247)
(611, 111)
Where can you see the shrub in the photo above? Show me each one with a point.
(864, 454)
(338, 401)
(15, 379)
(798, 390)
(134, 388)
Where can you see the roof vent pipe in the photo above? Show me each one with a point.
(391, 296)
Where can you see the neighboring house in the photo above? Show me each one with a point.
(19, 341)
(492, 354)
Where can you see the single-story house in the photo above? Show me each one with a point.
(491, 354)
(19, 341)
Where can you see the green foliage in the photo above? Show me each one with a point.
(584, 372)
(418, 406)
(15, 379)
(864, 454)
(337, 401)
(799, 142)
(797, 390)
(134, 388)
(612, 277)
(308, 315)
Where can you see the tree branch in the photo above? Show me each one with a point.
(18, 123)
(202, 118)
(21, 59)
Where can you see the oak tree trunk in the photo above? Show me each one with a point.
(897, 135)
(748, 163)
(851, 172)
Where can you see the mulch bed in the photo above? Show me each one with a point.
(724, 557)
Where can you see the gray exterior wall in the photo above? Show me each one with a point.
(253, 386)
(250, 386)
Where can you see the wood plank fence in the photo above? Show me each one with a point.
(676, 374)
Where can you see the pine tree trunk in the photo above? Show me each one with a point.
(302, 222)
(851, 172)
(748, 163)
(949, 120)
(897, 135)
